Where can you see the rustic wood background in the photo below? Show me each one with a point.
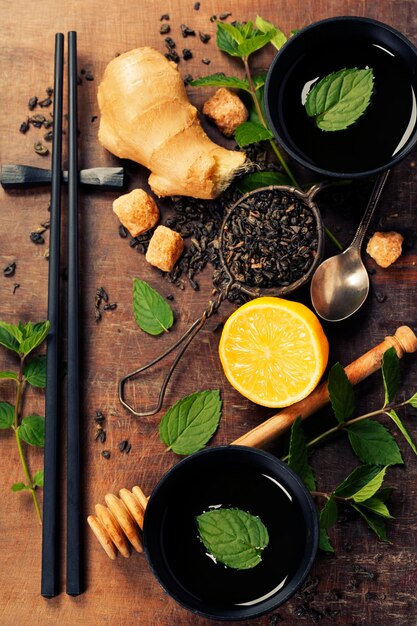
(366, 582)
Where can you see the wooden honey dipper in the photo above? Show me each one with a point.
(124, 517)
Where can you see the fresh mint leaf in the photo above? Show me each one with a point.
(278, 39)
(38, 478)
(255, 43)
(38, 334)
(390, 374)
(152, 312)
(228, 38)
(8, 375)
(35, 371)
(341, 393)
(298, 455)
(374, 444)
(191, 422)
(221, 80)
(377, 506)
(413, 401)
(20, 487)
(233, 537)
(362, 483)
(328, 514)
(10, 336)
(259, 80)
(374, 522)
(339, 99)
(32, 430)
(251, 132)
(250, 182)
(324, 541)
(6, 415)
(396, 419)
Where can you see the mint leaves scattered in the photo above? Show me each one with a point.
(233, 537)
(339, 99)
(191, 422)
(22, 339)
(152, 312)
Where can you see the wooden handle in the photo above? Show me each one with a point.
(404, 340)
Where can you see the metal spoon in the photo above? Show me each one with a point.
(340, 284)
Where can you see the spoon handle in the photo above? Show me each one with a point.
(373, 201)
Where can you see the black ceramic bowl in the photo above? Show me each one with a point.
(383, 135)
(238, 477)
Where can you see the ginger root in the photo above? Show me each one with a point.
(146, 117)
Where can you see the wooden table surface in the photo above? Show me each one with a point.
(366, 582)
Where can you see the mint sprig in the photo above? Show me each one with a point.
(233, 537)
(22, 340)
(339, 99)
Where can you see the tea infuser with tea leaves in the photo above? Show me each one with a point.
(291, 197)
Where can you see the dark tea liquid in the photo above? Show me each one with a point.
(378, 135)
(256, 493)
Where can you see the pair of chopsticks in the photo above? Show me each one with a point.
(50, 532)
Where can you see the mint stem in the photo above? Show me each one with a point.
(265, 125)
(20, 386)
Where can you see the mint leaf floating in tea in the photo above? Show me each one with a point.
(233, 537)
(339, 99)
(152, 312)
(191, 422)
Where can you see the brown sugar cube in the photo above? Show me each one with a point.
(137, 211)
(385, 248)
(165, 248)
(227, 111)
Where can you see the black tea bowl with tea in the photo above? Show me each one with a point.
(387, 130)
(241, 478)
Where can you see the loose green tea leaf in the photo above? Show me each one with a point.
(278, 39)
(38, 334)
(324, 541)
(221, 80)
(374, 522)
(339, 99)
(374, 444)
(6, 415)
(251, 132)
(362, 483)
(38, 478)
(390, 374)
(328, 514)
(341, 393)
(9, 375)
(233, 537)
(10, 336)
(261, 179)
(402, 428)
(32, 430)
(298, 455)
(191, 422)
(152, 312)
(20, 487)
(35, 371)
(377, 506)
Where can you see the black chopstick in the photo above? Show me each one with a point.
(49, 578)
(73, 581)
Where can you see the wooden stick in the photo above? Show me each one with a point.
(404, 340)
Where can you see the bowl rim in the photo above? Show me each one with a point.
(303, 497)
(288, 148)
